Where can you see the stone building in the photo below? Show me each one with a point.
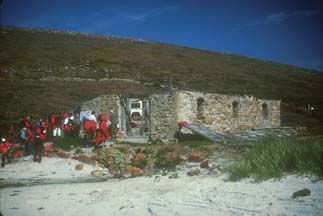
(161, 113)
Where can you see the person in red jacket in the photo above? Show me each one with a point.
(41, 133)
(4, 150)
(44, 124)
(89, 127)
(28, 123)
(102, 132)
(55, 124)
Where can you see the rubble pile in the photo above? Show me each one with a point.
(124, 161)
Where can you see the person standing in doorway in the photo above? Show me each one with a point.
(114, 124)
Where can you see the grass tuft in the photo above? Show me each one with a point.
(67, 143)
(273, 158)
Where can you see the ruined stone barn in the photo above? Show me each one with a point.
(158, 115)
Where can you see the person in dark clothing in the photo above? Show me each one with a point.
(77, 125)
(39, 146)
(114, 124)
(21, 122)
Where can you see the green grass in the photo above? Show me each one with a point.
(67, 143)
(134, 144)
(273, 158)
(28, 55)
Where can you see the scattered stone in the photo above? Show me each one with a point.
(127, 175)
(181, 158)
(104, 174)
(135, 171)
(301, 193)
(139, 156)
(140, 149)
(63, 154)
(195, 156)
(213, 171)
(164, 172)
(173, 176)
(114, 169)
(79, 167)
(193, 172)
(84, 159)
(205, 164)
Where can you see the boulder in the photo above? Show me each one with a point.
(195, 156)
(301, 193)
(139, 156)
(135, 171)
(205, 164)
(85, 159)
(181, 158)
(114, 169)
(193, 172)
(79, 167)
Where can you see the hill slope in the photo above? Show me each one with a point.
(29, 55)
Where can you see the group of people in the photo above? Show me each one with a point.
(32, 135)
(101, 128)
(29, 135)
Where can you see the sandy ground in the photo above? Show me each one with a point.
(156, 195)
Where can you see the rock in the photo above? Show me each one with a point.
(85, 159)
(181, 158)
(164, 172)
(114, 169)
(195, 156)
(62, 154)
(193, 172)
(205, 164)
(79, 167)
(127, 175)
(139, 156)
(135, 171)
(140, 149)
(213, 171)
(301, 193)
(173, 176)
(104, 174)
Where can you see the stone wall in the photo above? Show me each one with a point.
(226, 113)
(163, 117)
(103, 104)
(215, 111)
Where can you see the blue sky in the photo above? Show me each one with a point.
(287, 31)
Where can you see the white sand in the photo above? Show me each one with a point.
(199, 195)
(49, 168)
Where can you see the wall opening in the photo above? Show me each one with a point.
(235, 109)
(265, 111)
(200, 108)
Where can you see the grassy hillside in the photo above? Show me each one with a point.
(29, 57)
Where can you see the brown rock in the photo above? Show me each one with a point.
(139, 156)
(140, 149)
(79, 167)
(62, 154)
(181, 157)
(195, 156)
(135, 171)
(114, 169)
(85, 159)
(204, 164)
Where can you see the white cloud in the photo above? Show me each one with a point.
(281, 17)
